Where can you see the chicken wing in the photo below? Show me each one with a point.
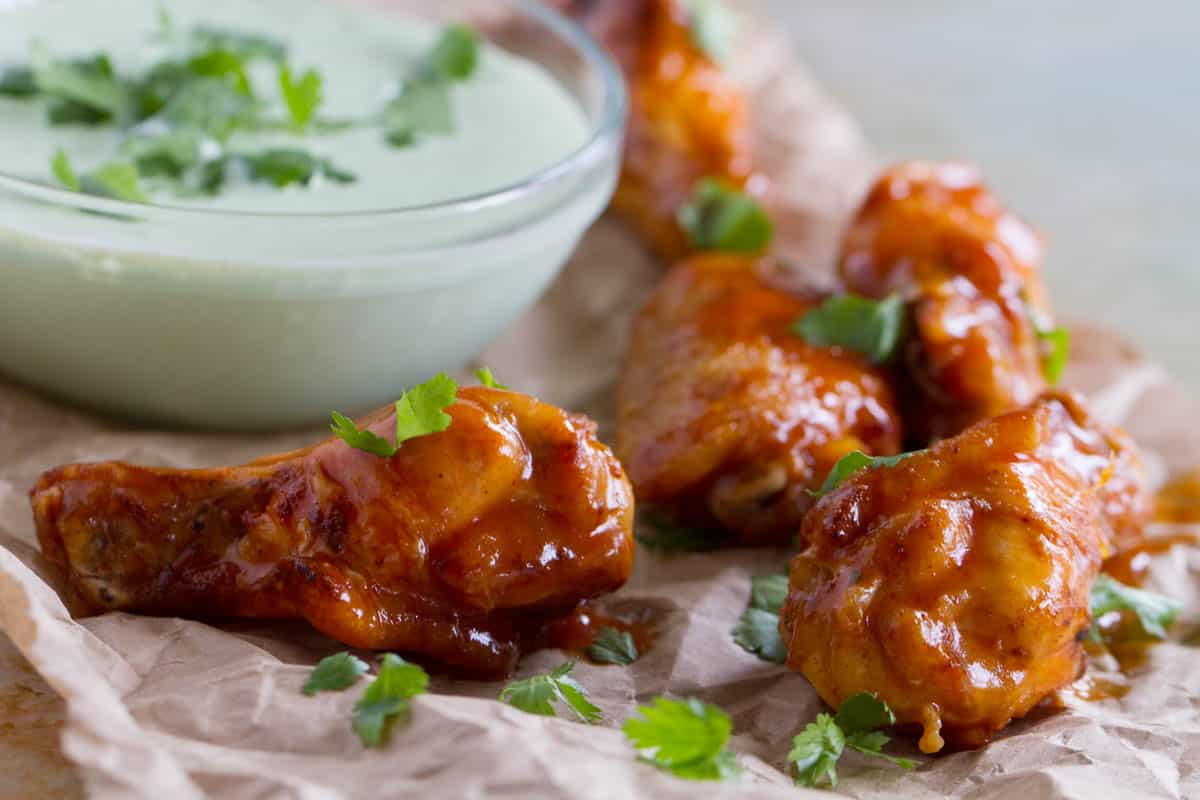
(458, 548)
(687, 120)
(970, 268)
(725, 417)
(955, 584)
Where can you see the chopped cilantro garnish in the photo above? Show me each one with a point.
(851, 463)
(538, 694)
(86, 89)
(713, 27)
(419, 412)
(386, 698)
(871, 327)
(1154, 613)
(285, 166)
(116, 179)
(757, 631)
(816, 749)
(1056, 349)
(456, 54)
(222, 64)
(685, 737)
(720, 218)
(301, 97)
(209, 105)
(17, 82)
(334, 673)
(486, 378)
(422, 108)
(612, 646)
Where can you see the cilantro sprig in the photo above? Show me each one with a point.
(684, 737)
(757, 631)
(423, 105)
(720, 218)
(538, 694)
(386, 698)
(335, 673)
(1153, 613)
(117, 179)
(851, 463)
(419, 412)
(817, 749)
(873, 328)
(612, 646)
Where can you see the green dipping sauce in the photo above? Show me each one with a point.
(511, 119)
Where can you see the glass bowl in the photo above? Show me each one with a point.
(215, 319)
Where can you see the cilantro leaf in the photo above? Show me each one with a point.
(63, 171)
(713, 27)
(17, 82)
(422, 108)
(612, 646)
(116, 179)
(419, 412)
(873, 328)
(686, 737)
(485, 377)
(283, 166)
(816, 750)
(223, 64)
(757, 631)
(871, 744)
(456, 54)
(167, 155)
(301, 97)
(334, 673)
(84, 86)
(247, 46)
(863, 712)
(387, 697)
(210, 105)
(364, 440)
(768, 592)
(662, 534)
(1056, 350)
(537, 694)
(851, 463)
(720, 218)
(1153, 612)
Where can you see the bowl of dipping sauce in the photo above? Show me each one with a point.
(239, 215)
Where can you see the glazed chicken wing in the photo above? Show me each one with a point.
(725, 417)
(971, 270)
(955, 584)
(459, 547)
(687, 121)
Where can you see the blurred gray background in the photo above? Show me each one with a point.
(1085, 116)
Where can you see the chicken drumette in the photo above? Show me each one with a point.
(687, 120)
(955, 584)
(971, 271)
(727, 418)
(459, 547)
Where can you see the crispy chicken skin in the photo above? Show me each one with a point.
(458, 548)
(725, 417)
(971, 270)
(687, 120)
(955, 584)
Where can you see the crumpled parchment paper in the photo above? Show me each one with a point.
(168, 708)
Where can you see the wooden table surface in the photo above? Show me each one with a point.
(1085, 117)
